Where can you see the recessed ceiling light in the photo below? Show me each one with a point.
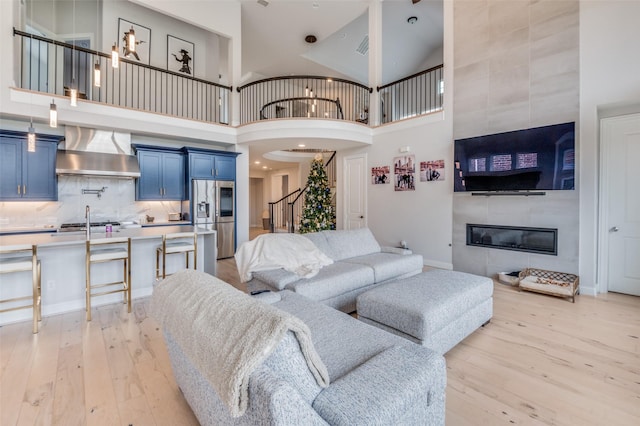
(264, 3)
(301, 145)
(264, 167)
(256, 162)
(412, 19)
(310, 39)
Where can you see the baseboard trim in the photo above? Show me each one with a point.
(438, 264)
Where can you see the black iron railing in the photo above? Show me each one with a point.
(51, 66)
(304, 97)
(302, 107)
(418, 94)
(280, 217)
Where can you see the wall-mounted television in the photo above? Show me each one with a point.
(541, 158)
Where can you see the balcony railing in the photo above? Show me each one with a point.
(418, 94)
(50, 66)
(304, 97)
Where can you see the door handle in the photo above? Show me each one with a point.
(614, 229)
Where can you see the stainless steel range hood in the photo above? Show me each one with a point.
(86, 163)
(93, 152)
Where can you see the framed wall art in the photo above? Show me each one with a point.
(380, 175)
(404, 170)
(431, 171)
(135, 49)
(180, 55)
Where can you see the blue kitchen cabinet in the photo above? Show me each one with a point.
(208, 164)
(161, 174)
(28, 176)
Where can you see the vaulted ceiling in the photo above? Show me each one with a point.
(273, 42)
(273, 38)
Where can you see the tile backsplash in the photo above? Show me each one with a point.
(116, 203)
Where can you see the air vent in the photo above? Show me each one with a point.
(363, 49)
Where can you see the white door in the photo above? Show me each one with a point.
(355, 195)
(620, 198)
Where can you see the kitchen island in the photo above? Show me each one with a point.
(62, 256)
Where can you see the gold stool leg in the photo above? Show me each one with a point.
(157, 263)
(34, 289)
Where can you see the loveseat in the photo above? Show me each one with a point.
(359, 264)
(372, 377)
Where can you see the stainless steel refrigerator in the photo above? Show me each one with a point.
(213, 204)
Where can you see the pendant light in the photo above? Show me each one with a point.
(53, 114)
(131, 40)
(31, 138)
(96, 67)
(115, 58)
(73, 92)
(96, 73)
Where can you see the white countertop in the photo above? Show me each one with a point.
(53, 239)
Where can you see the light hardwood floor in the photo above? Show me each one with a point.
(541, 360)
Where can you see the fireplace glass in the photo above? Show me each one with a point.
(533, 240)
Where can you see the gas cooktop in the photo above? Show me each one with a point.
(70, 227)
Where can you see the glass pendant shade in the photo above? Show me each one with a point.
(74, 96)
(53, 115)
(115, 59)
(31, 139)
(96, 74)
(131, 40)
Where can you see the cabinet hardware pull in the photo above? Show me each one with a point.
(18, 189)
(24, 189)
(213, 173)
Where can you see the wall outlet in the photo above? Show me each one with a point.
(51, 285)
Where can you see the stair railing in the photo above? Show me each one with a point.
(279, 218)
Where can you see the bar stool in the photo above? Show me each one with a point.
(179, 242)
(108, 250)
(21, 259)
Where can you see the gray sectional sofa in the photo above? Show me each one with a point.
(375, 377)
(360, 264)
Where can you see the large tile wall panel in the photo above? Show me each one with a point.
(516, 66)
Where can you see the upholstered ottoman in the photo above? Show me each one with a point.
(436, 309)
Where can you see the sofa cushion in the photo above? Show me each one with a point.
(351, 243)
(363, 341)
(332, 280)
(319, 239)
(389, 265)
(385, 390)
(276, 278)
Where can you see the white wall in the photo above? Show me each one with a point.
(206, 45)
(421, 217)
(609, 79)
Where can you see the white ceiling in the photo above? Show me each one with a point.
(273, 38)
(273, 45)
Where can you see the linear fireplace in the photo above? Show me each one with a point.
(518, 238)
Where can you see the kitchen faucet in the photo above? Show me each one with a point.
(87, 216)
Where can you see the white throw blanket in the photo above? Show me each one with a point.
(226, 333)
(292, 252)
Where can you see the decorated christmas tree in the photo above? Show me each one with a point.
(317, 212)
